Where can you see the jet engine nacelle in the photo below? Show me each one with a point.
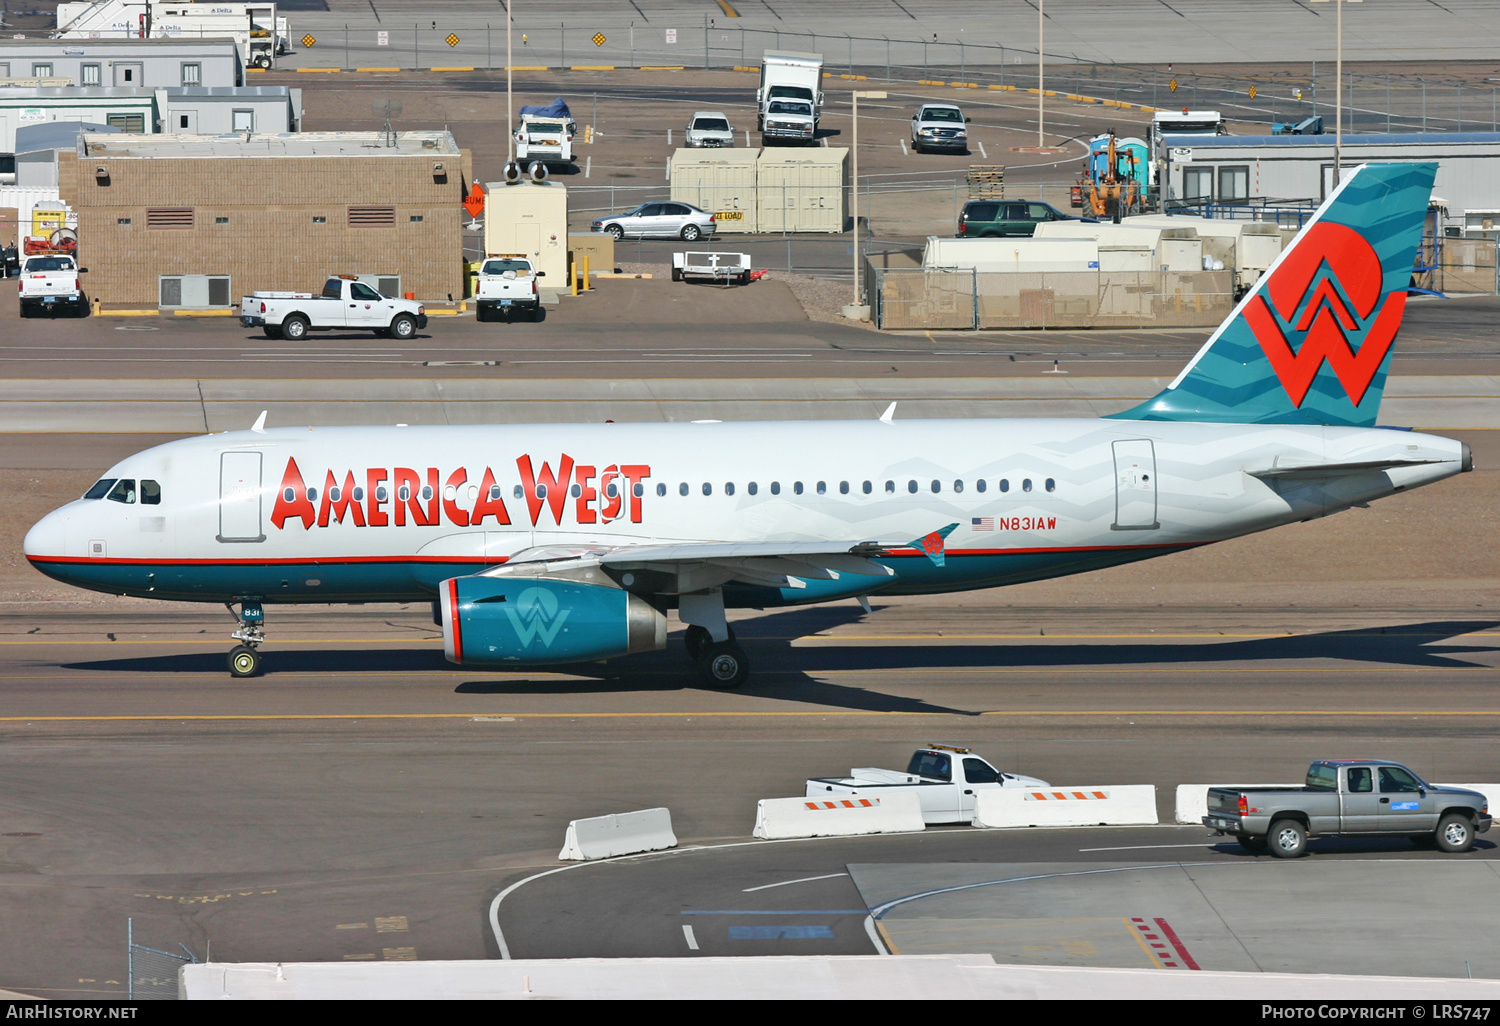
(494, 621)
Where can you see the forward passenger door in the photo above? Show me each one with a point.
(1405, 807)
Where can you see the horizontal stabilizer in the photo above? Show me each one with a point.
(1337, 469)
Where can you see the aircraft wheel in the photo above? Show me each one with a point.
(696, 639)
(244, 661)
(724, 665)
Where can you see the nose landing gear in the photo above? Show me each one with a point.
(244, 658)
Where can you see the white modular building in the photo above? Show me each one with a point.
(1232, 170)
(127, 63)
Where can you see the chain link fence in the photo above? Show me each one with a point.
(152, 974)
(920, 299)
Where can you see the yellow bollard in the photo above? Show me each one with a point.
(573, 274)
(98, 307)
(586, 286)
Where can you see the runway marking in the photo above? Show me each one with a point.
(788, 883)
(1142, 942)
(781, 933)
(776, 912)
(877, 936)
(1140, 847)
(262, 717)
(687, 935)
(69, 640)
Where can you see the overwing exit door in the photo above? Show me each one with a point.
(240, 498)
(1135, 485)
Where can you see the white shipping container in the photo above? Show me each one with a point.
(1017, 255)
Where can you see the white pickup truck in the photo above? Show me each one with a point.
(345, 302)
(505, 284)
(49, 283)
(548, 139)
(946, 791)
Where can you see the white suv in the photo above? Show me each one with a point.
(709, 128)
(939, 126)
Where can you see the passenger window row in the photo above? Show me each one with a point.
(913, 486)
(123, 489)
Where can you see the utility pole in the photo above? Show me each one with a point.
(1338, 89)
(510, 103)
(868, 95)
(1041, 88)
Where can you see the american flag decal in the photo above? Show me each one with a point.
(984, 523)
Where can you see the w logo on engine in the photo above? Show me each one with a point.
(535, 614)
(1325, 305)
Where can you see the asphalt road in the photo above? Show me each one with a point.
(656, 329)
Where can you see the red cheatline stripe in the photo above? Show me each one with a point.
(1182, 952)
(305, 561)
(458, 638)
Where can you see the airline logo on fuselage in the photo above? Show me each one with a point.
(574, 493)
(1325, 298)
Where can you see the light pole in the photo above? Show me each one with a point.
(868, 94)
(510, 106)
(1041, 59)
(1338, 89)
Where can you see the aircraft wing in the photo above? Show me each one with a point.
(694, 566)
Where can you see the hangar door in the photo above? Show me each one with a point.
(240, 497)
(1135, 485)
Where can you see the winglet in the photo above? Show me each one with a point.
(259, 427)
(931, 545)
(889, 414)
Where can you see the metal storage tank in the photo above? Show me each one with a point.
(802, 190)
(529, 219)
(721, 182)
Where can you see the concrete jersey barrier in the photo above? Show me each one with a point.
(838, 817)
(1101, 805)
(626, 833)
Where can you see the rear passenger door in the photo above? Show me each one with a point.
(1014, 221)
(1360, 805)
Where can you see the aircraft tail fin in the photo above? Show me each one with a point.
(1311, 342)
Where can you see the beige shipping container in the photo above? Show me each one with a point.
(802, 190)
(529, 219)
(721, 182)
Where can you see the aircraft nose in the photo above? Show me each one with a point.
(45, 539)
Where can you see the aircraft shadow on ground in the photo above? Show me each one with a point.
(791, 674)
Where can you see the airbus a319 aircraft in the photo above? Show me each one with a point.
(555, 544)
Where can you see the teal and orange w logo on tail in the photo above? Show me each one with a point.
(1311, 342)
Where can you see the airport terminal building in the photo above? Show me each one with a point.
(199, 221)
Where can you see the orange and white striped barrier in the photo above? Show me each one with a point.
(896, 813)
(1066, 796)
(1113, 805)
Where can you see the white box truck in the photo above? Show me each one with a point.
(790, 98)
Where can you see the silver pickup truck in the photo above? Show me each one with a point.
(1348, 798)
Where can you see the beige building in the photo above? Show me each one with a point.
(198, 221)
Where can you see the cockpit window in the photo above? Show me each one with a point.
(124, 491)
(150, 493)
(101, 488)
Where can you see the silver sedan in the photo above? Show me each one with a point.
(659, 221)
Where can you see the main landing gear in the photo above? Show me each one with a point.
(710, 643)
(244, 658)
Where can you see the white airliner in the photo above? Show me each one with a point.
(548, 544)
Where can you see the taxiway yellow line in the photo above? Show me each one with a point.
(494, 716)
